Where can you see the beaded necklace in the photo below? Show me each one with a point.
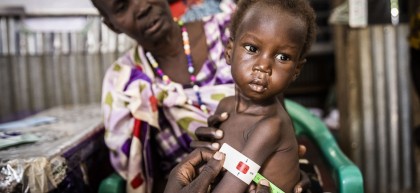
(193, 79)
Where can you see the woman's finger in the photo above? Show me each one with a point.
(303, 184)
(205, 144)
(216, 119)
(263, 187)
(252, 187)
(207, 174)
(302, 150)
(208, 133)
(198, 156)
(193, 160)
(185, 172)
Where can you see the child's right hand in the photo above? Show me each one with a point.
(207, 135)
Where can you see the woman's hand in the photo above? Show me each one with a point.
(196, 172)
(304, 183)
(207, 135)
(262, 187)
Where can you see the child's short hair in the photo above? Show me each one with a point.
(299, 8)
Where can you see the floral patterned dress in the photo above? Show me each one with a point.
(139, 108)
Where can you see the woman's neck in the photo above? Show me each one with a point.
(169, 46)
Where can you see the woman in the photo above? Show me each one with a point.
(157, 94)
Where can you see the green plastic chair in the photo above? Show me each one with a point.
(347, 175)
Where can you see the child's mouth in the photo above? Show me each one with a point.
(258, 85)
(257, 88)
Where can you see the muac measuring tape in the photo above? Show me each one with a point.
(243, 168)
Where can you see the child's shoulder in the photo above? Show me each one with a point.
(275, 130)
(276, 123)
(230, 100)
(227, 104)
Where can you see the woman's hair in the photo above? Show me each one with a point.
(101, 12)
(299, 8)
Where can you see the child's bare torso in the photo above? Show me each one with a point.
(282, 166)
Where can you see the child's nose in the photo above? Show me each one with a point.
(263, 65)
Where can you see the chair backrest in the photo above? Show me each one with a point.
(348, 177)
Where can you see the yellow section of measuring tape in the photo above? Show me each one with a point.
(274, 188)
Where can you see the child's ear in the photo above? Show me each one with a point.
(106, 21)
(299, 68)
(228, 51)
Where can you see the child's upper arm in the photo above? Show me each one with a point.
(261, 143)
(263, 140)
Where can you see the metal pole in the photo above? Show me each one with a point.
(405, 108)
(378, 51)
(393, 108)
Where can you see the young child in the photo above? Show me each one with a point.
(269, 41)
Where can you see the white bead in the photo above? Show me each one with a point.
(203, 108)
(190, 69)
(189, 101)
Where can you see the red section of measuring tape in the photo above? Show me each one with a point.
(242, 167)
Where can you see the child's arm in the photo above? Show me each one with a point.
(261, 143)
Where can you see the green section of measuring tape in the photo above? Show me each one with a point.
(274, 188)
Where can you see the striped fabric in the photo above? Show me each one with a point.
(139, 108)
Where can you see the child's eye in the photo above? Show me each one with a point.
(282, 57)
(250, 48)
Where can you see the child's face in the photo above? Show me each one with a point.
(265, 53)
(143, 20)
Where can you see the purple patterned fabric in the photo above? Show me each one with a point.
(138, 108)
